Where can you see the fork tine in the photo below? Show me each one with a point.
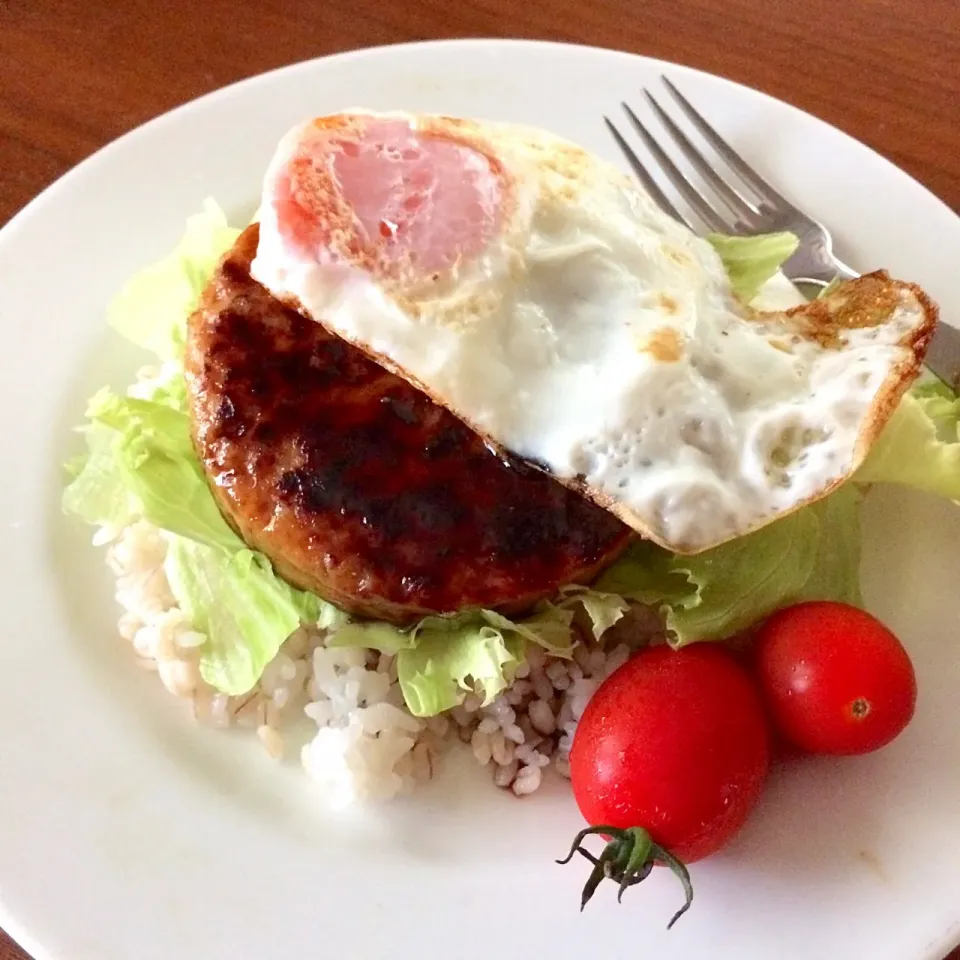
(640, 171)
(690, 193)
(734, 202)
(730, 156)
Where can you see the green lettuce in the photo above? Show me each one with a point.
(603, 609)
(751, 261)
(446, 661)
(442, 659)
(245, 610)
(548, 627)
(812, 553)
(141, 455)
(141, 466)
(836, 569)
(98, 491)
(920, 446)
(152, 309)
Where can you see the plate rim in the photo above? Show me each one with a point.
(51, 194)
(173, 113)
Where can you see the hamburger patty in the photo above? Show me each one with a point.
(355, 484)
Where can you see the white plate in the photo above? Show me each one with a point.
(126, 832)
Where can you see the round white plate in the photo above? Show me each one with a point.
(127, 832)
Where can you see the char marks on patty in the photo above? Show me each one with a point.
(355, 484)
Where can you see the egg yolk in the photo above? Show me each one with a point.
(383, 195)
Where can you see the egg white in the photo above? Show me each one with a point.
(599, 339)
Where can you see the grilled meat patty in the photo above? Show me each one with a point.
(355, 484)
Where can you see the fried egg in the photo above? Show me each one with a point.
(544, 298)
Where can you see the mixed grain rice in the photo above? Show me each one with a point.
(363, 743)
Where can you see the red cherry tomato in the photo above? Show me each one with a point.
(676, 745)
(675, 742)
(835, 679)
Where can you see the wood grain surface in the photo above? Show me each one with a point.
(75, 74)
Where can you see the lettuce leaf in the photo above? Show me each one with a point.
(548, 627)
(373, 635)
(810, 554)
(98, 492)
(836, 570)
(920, 446)
(141, 466)
(436, 673)
(141, 454)
(602, 609)
(442, 659)
(243, 607)
(152, 309)
(751, 261)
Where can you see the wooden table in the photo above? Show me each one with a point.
(74, 74)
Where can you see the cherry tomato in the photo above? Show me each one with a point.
(835, 679)
(668, 760)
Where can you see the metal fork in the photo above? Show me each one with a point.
(749, 206)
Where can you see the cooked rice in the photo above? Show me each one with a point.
(365, 744)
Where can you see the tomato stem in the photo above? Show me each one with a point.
(628, 858)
